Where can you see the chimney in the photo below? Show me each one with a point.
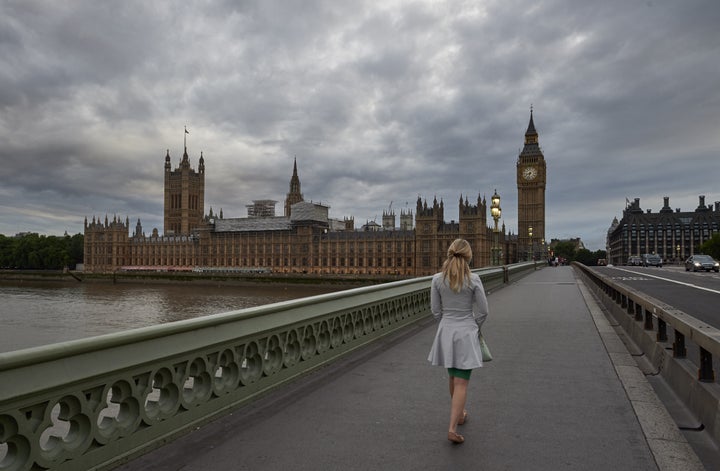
(717, 206)
(702, 201)
(666, 201)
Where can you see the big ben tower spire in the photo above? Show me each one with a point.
(531, 182)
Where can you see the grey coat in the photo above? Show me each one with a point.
(456, 342)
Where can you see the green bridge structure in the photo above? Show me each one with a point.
(586, 374)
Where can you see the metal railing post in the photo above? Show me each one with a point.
(638, 312)
(648, 320)
(705, 372)
(679, 350)
(662, 331)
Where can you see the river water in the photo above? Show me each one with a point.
(40, 313)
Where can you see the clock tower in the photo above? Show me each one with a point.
(531, 180)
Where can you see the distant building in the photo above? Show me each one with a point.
(531, 174)
(261, 209)
(615, 223)
(674, 235)
(406, 220)
(184, 195)
(388, 220)
(305, 239)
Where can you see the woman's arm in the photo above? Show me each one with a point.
(480, 301)
(435, 300)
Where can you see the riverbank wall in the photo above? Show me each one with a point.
(61, 276)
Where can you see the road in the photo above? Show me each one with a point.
(696, 294)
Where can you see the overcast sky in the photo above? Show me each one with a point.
(379, 101)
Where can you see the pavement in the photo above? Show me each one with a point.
(562, 392)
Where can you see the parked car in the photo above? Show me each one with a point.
(701, 262)
(634, 261)
(602, 262)
(651, 260)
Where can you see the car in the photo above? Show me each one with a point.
(701, 262)
(651, 260)
(634, 261)
(601, 262)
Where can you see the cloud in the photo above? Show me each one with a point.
(378, 102)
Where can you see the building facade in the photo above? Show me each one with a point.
(306, 242)
(672, 234)
(184, 195)
(531, 182)
(305, 239)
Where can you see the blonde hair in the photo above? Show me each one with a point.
(456, 267)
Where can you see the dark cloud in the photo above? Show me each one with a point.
(379, 102)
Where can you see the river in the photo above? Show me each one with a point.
(40, 313)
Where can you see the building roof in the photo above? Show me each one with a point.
(303, 211)
(279, 223)
(531, 126)
(307, 211)
(366, 235)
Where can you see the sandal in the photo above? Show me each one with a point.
(463, 418)
(455, 437)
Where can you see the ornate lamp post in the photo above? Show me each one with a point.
(530, 254)
(548, 253)
(495, 211)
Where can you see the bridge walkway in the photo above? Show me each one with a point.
(561, 393)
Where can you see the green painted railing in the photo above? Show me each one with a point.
(97, 402)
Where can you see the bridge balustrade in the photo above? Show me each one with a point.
(646, 320)
(97, 402)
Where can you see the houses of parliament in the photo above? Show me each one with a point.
(306, 240)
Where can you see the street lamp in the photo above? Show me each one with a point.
(548, 253)
(530, 247)
(495, 211)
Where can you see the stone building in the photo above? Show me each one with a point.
(305, 239)
(672, 234)
(531, 182)
(184, 195)
(308, 241)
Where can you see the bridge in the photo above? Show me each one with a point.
(341, 381)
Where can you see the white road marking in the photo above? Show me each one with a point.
(690, 285)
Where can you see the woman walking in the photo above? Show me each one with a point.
(456, 347)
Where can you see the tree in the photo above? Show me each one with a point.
(589, 258)
(36, 252)
(711, 246)
(6, 249)
(565, 249)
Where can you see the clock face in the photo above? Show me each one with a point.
(529, 173)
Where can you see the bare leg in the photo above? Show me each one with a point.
(458, 393)
(463, 416)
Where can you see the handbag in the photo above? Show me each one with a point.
(484, 349)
